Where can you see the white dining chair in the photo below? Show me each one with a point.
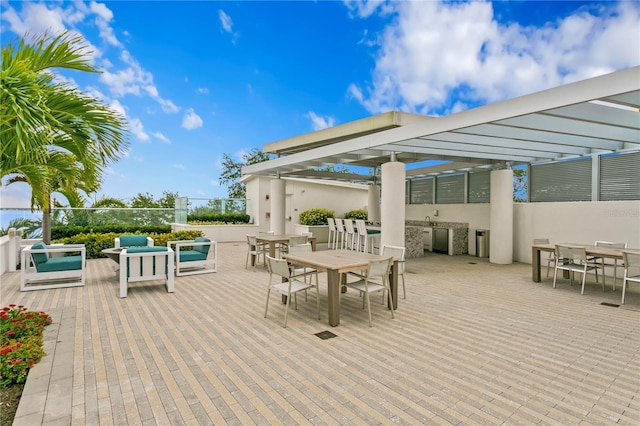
(631, 262)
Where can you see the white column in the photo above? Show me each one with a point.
(393, 208)
(278, 204)
(14, 247)
(501, 217)
(373, 203)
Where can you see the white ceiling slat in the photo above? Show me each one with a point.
(597, 113)
(450, 152)
(575, 127)
(564, 122)
(502, 142)
(557, 140)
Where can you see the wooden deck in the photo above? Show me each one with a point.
(473, 343)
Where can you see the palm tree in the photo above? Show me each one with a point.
(54, 137)
(30, 227)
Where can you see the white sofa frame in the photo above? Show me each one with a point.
(30, 277)
(195, 267)
(154, 264)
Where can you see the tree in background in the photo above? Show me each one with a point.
(146, 201)
(55, 138)
(31, 228)
(520, 186)
(232, 171)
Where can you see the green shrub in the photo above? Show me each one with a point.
(65, 231)
(219, 218)
(313, 217)
(21, 345)
(357, 214)
(94, 242)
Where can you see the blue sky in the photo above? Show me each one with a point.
(201, 78)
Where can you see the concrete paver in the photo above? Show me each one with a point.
(473, 343)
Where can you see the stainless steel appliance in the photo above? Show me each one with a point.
(441, 240)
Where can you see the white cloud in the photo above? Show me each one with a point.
(318, 122)
(215, 183)
(191, 120)
(35, 19)
(134, 80)
(136, 127)
(160, 136)
(103, 16)
(227, 25)
(178, 166)
(225, 21)
(202, 90)
(435, 52)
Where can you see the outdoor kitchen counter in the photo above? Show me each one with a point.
(458, 235)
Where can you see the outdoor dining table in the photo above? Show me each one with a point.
(336, 263)
(591, 250)
(274, 240)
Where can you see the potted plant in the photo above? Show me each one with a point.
(315, 221)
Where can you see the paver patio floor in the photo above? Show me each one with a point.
(473, 343)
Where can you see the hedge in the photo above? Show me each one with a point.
(65, 231)
(222, 218)
(316, 216)
(94, 242)
(357, 214)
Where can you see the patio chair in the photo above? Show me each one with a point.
(377, 270)
(349, 234)
(397, 253)
(287, 285)
(52, 266)
(631, 261)
(133, 241)
(304, 271)
(197, 256)
(551, 258)
(601, 262)
(366, 237)
(294, 240)
(338, 242)
(572, 259)
(146, 264)
(256, 250)
(332, 232)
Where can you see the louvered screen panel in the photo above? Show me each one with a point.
(450, 189)
(620, 177)
(421, 191)
(561, 181)
(479, 187)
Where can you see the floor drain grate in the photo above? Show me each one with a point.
(613, 305)
(472, 263)
(324, 335)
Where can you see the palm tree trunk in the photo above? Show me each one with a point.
(46, 224)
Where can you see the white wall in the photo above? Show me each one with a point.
(575, 222)
(569, 222)
(305, 194)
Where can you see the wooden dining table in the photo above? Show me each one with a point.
(274, 240)
(592, 250)
(336, 263)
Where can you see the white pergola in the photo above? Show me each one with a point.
(595, 116)
(598, 115)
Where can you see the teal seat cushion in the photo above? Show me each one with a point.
(373, 231)
(145, 249)
(192, 256)
(55, 264)
(204, 248)
(39, 258)
(133, 241)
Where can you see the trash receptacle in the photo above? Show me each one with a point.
(482, 242)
